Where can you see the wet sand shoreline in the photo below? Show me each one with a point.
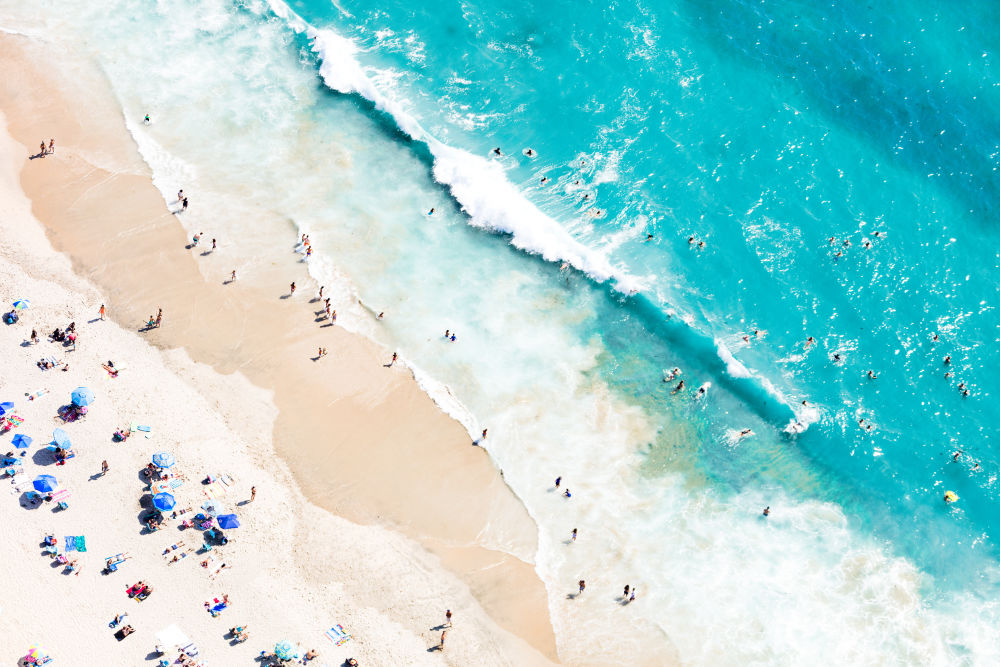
(362, 440)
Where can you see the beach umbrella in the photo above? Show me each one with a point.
(21, 304)
(213, 507)
(45, 483)
(21, 441)
(163, 459)
(164, 502)
(6, 407)
(61, 438)
(228, 521)
(286, 650)
(82, 396)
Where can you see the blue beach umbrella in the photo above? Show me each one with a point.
(228, 521)
(6, 407)
(163, 459)
(21, 304)
(61, 438)
(21, 441)
(164, 502)
(45, 483)
(82, 396)
(286, 650)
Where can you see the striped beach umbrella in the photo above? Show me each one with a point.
(163, 459)
(21, 304)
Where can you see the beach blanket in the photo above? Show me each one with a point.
(337, 635)
(136, 427)
(215, 490)
(70, 543)
(81, 543)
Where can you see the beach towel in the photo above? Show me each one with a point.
(70, 543)
(215, 490)
(337, 635)
(81, 543)
(37, 394)
(175, 483)
(136, 427)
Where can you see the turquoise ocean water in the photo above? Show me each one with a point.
(762, 129)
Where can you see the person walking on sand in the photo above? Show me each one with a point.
(159, 317)
(253, 493)
(184, 204)
(34, 337)
(213, 244)
(444, 633)
(631, 597)
(52, 146)
(232, 278)
(180, 195)
(41, 150)
(102, 311)
(583, 586)
(104, 468)
(573, 537)
(292, 292)
(484, 434)
(625, 594)
(558, 481)
(394, 357)
(321, 288)
(447, 617)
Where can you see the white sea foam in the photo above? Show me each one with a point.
(480, 185)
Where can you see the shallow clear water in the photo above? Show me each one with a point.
(763, 130)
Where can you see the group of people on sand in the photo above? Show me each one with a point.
(43, 150)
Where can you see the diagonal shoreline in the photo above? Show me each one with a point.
(363, 441)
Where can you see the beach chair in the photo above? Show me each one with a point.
(51, 549)
(112, 562)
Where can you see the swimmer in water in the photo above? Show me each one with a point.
(745, 432)
(947, 360)
(948, 374)
(847, 243)
(690, 240)
(871, 375)
(809, 341)
(586, 196)
(767, 511)
(430, 212)
(836, 357)
(832, 240)
(496, 151)
(673, 374)
(701, 244)
(878, 234)
(701, 392)
(868, 244)
(529, 152)
(679, 386)
(934, 338)
(838, 254)
(545, 179)
(649, 237)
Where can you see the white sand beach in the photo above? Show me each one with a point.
(227, 400)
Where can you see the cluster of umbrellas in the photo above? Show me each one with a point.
(165, 501)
